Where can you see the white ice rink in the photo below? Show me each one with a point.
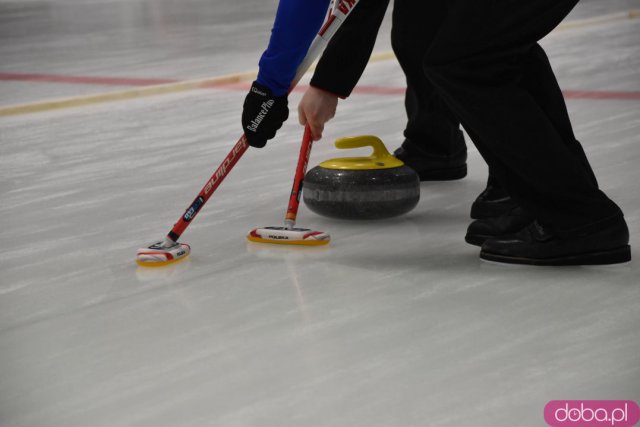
(397, 323)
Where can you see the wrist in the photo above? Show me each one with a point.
(267, 89)
(326, 91)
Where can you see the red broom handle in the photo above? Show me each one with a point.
(209, 188)
(338, 15)
(301, 170)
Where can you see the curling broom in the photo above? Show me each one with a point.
(168, 251)
(289, 235)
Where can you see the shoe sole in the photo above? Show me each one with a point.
(476, 239)
(611, 256)
(449, 174)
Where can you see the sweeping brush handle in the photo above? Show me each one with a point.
(301, 170)
(209, 188)
(339, 13)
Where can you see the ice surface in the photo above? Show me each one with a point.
(396, 323)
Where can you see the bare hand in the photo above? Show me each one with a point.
(316, 108)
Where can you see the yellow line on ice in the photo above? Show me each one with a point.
(580, 23)
(162, 89)
(78, 101)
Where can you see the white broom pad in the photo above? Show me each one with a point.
(159, 253)
(283, 234)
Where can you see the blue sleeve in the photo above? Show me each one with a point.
(296, 24)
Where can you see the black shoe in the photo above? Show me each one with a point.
(537, 245)
(434, 167)
(492, 202)
(511, 222)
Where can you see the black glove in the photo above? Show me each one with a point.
(263, 114)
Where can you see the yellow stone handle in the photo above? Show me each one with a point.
(379, 150)
(379, 159)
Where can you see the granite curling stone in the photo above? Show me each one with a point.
(375, 187)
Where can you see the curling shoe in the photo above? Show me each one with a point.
(434, 167)
(492, 202)
(508, 223)
(537, 245)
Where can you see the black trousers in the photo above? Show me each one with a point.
(432, 128)
(487, 66)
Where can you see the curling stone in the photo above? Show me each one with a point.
(374, 187)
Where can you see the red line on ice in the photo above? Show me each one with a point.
(378, 90)
(600, 94)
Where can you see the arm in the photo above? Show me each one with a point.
(341, 65)
(265, 107)
(347, 55)
(296, 24)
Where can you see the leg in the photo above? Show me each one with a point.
(548, 96)
(488, 67)
(540, 81)
(432, 133)
(494, 200)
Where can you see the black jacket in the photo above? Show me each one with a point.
(347, 55)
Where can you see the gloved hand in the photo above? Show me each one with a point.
(263, 114)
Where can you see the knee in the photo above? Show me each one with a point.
(481, 69)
